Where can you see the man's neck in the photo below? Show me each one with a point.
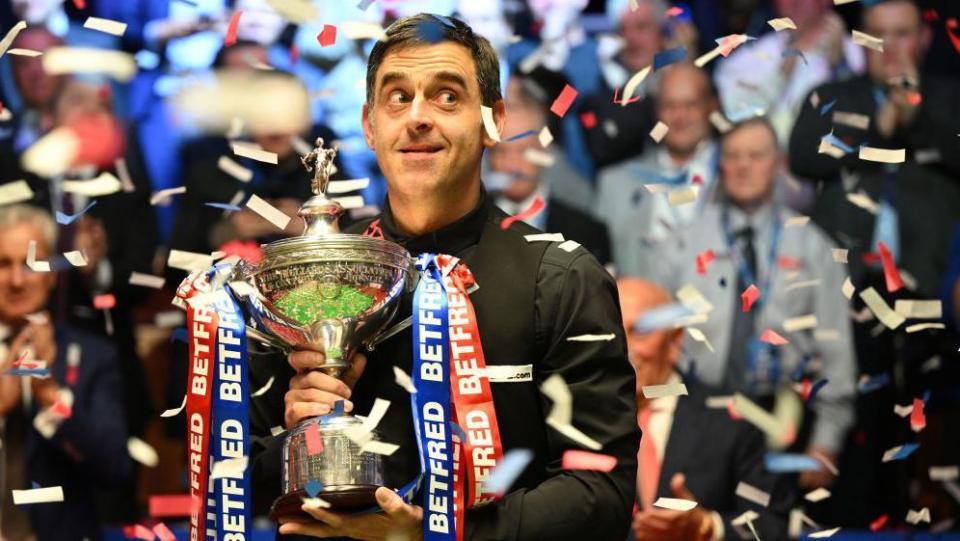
(679, 157)
(416, 217)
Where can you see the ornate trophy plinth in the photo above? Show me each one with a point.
(329, 292)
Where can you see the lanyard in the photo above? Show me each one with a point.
(743, 270)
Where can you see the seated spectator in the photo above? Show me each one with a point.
(751, 245)
(526, 178)
(896, 106)
(777, 71)
(639, 218)
(687, 450)
(67, 430)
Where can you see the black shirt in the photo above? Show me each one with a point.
(532, 296)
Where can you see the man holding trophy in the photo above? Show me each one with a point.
(484, 345)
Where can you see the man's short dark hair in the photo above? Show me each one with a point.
(761, 121)
(426, 29)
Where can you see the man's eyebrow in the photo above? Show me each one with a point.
(444, 76)
(391, 77)
(451, 77)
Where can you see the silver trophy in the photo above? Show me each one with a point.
(330, 292)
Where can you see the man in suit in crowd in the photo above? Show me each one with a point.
(688, 450)
(65, 430)
(530, 171)
(639, 218)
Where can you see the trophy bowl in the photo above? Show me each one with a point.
(329, 292)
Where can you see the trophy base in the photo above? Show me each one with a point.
(342, 499)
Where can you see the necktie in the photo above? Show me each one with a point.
(649, 474)
(735, 376)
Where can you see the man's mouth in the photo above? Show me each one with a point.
(420, 151)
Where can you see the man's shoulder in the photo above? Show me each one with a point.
(624, 172)
(93, 349)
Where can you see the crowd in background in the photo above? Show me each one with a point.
(729, 192)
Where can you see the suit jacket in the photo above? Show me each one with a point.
(580, 227)
(715, 453)
(88, 450)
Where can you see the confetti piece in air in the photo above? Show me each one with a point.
(890, 273)
(24, 52)
(313, 487)
(107, 26)
(879, 307)
(563, 101)
(163, 532)
(263, 390)
(15, 192)
(790, 462)
(674, 11)
(545, 137)
(899, 452)
(883, 155)
(879, 523)
(67, 219)
(758, 417)
(847, 288)
(561, 414)
(231, 468)
(163, 197)
(682, 196)
(189, 261)
(231, 36)
(951, 29)
(65, 60)
(752, 494)
(924, 327)
(545, 237)
(103, 184)
(675, 504)
(138, 531)
(824, 533)
(866, 40)
(360, 30)
(916, 517)
(379, 448)
(142, 452)
(268, 212)
(783, 23)
(591, 338)
(661, 391)
(749, 297)
(536, 207)
(574, 459)
(313, 439)
(224, 206)
(662, 317)
(589, 120)
(105, 301)
(75, 258)
(632, 84)
(489, 124)
(522, 135)
(771, 337)
(817, 495)
(234, 169)
(944, 473)
(797, 221)
(698, 335)
(175, 411)
(852, 120)
(316, 503)
(404, 380)
(11, 35)
(659, 131)
(839, 255)
(364, 4)
(720, 122)
(506, 472)
(816, 389)
(704, 259)
(146, 280)
(670, 56)
(918, 421)
(868, 383)
(919, 309)
(247, 150)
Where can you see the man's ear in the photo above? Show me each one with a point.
(367, 126)
(499, 119)
(926, 37)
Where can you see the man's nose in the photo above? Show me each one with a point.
(17, 275)
(419, 118)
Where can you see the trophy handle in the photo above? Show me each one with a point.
(267, 339)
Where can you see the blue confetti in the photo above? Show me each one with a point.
(28, 372)
(816, 389)
(790, 463)
(837, 142)
(364, 4)
(527, 133)
(180, 335)
(661, 317)
(906, 450)
(338, 407)
(926, 397)
(34, 485)
(652, 176)
(224, 206)
(512, 465)
(431, 31)
(873, 383)
(670, 56)
(313, 487)
(445, 20)
(826, 108)
(67, 219)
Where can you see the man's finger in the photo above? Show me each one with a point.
(306, 360)
(312, 529)
(318, 380)
(299, 411)
(316, 396)
(333, 520)
(393, 505)
(357, 364)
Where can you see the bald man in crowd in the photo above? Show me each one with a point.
(705, 458)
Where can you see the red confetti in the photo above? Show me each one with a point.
(931, 15)
(163, 532)
(914, 98)
(805, 389)
(61, 409)
(170, 505)
(954, 39)
(729, 43)
(748, 297)
(105, 301)
(535, 208)
(563, 101)
(918, 421)
(616, 98)
(294, 54)
(589, 120)
(771, 337)
(138, 531)
(327, 36)
(879, 523)
(80, 4)
(734, 414)
(788, 263)
(314, 441)
(232, 28)
(584, 460)
(697, 180)
(101, 138)
(374, 230)
(890, 272)
(73, 374)
(674, 11)
(703, 261)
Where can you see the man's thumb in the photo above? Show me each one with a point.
(388, 500)
(678, 485)
(357, 363)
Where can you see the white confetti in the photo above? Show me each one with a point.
(175, 411)
(839, 255)
(682, 196)
(346, 186)
(108, 26)
(817, 495)
(883, 155)
(659, 131)
(847, 289)
(119, 65)
(246, 150)
(902, 411)
(880, 308)
(103, 184)
(545, 137)
(539, 157)
(660, 391)
(38, 495)
(720, 122)
(698, 335)
(783, 23)
(796, 221)
(944, 473)
(11, 35)
(753, 494)
(268, 212)
(759, 417)
(569, 245)
(76, 258)
(189, 261)
(263, 390)
(350, 201)
(747, 516)
(676, 504)
(404, 380)
(635, 81)
(146, 280)
(545, 237)
(916, 517)
(379, 448)
(163, 197)
(918, 309)
(489, 124)
(142, 452)
(866, 40)
(800, 323)
(592, 338)
(824, 533)
(231, 468)
(15, 192)
(924, 327)
(362, 30)
(316, 503)
(234, 169)
(852, 120)
(863, 201)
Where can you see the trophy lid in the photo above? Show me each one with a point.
(321, 215)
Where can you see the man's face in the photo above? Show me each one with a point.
(641, 35)
(802, 12)
(35, 85)
(905, 40)
(749, 162)
(654, 354)
(684, 104)
(22, 290)
(509, 157)
(424, 123)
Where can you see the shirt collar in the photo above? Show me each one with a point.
(758, 219)
(449, 239)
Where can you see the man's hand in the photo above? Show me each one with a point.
(38, 336)
(91, 239)
(314, 393)
(397, 521)
(669, 525)
(903, 101)
(821, 478)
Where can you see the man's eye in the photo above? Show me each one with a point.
(397, 97)
(447, 97)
